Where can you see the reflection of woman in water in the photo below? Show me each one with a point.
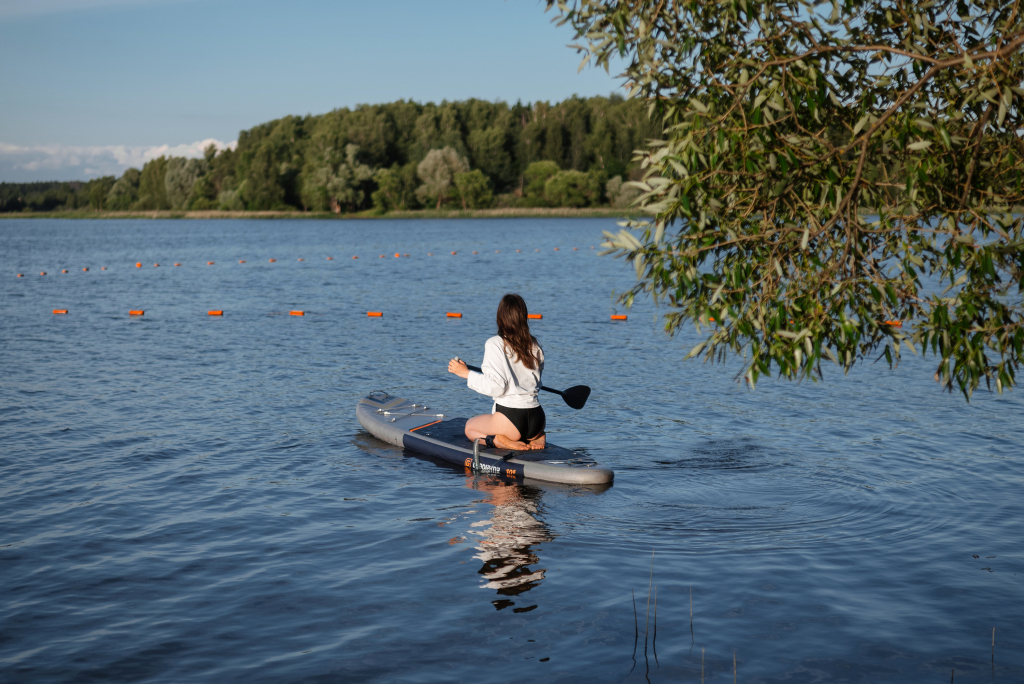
(510, 373)
(504, 546)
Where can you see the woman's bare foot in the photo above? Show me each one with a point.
(538, 442)
(503, 442)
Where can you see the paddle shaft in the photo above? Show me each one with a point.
(546, 389)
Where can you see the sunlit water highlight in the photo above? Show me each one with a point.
(190, 498)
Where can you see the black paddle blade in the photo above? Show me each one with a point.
(576, 397)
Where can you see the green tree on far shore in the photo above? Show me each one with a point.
(535, 179)
(124, 193)
(437, 171)
(396, 188)
(153, 185)
(473, 189)
(573, 189)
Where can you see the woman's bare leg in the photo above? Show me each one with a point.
(505, 433)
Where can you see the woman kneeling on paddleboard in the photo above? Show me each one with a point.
(513, 363)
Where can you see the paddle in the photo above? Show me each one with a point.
(575, 397)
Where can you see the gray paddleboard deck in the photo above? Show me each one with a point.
(426, 430)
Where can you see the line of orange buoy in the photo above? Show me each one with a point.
(380, 314)
(242, 261)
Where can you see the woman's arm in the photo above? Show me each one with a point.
(493, 380)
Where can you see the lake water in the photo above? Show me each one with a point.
(190, 498)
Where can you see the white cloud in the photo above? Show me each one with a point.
(68, 162)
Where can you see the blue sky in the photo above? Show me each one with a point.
(93, 86)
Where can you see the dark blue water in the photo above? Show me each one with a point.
(188, 498)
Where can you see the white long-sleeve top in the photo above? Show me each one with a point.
(508, 381)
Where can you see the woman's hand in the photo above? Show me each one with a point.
(458, 366)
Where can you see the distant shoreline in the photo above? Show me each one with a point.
(530, 212)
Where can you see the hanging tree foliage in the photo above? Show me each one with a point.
(828, 171)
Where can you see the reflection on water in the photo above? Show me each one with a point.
(505, 544)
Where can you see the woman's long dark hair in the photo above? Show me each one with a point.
(514, 329)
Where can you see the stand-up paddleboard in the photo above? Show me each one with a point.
(428, 431)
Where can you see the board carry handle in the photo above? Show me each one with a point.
(576, 397)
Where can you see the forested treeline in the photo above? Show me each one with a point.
(401, 155)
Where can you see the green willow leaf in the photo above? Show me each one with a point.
(822, 167)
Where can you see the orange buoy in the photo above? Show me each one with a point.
(85, 269)
(241, 261)
(374, 314)
(42, 273)
(355, 257)
(575, 249)
(20, 275)
(454, 253)
(518, 250)
(156, 265)
(104, 268)
(138, 264)
(136, 312)
(64, 270)
(535, 316)
(330, 258)
(711, 319)
(60, 311)
(177, 263)
(474, 252)
(591, 246)
(381, 256)
(556, 249)
(301, 259)
(618, 317)
(216, 312)
(209, 263)
(296, 313)
(452, 314)
(397, 255)
(273, 260)
(895, 324)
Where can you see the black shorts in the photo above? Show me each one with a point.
(530, 422)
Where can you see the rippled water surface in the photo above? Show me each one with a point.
(190, 498)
